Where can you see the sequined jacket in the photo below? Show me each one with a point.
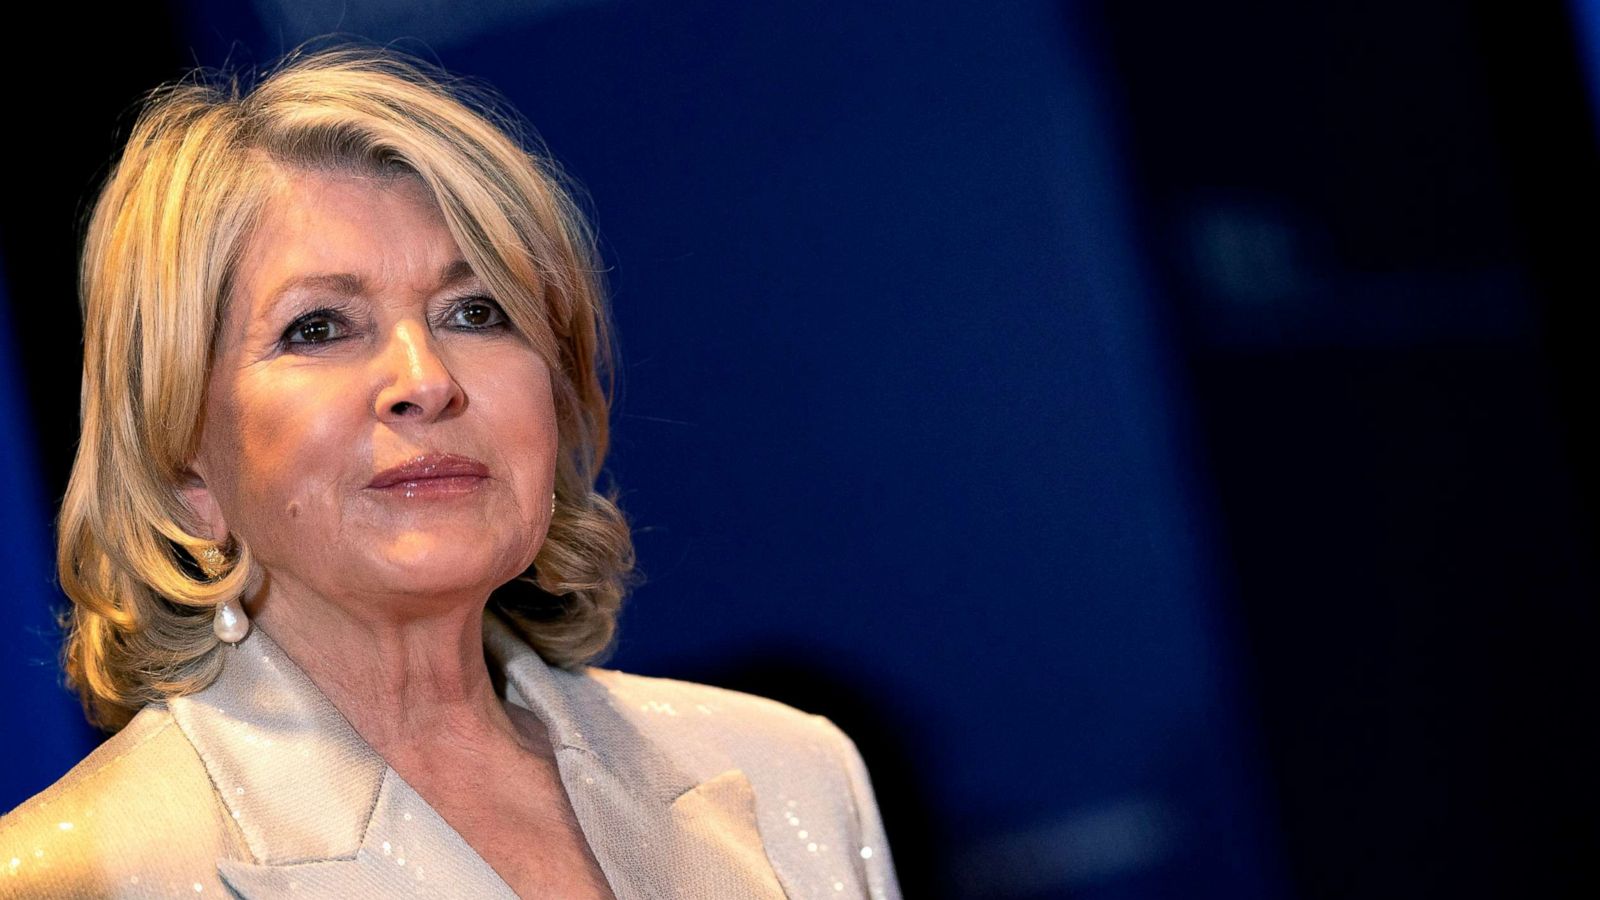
(257, 785)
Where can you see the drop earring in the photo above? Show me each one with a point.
(552, 503)
(230, 624)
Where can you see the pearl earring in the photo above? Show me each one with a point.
(552, 503)
(230, 624)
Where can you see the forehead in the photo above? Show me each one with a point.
(384, 230)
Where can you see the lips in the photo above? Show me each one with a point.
(431, 467)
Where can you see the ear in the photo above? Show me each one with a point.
(203, 504)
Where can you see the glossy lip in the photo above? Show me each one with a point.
(430, 466)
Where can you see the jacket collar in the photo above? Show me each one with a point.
(322, 812)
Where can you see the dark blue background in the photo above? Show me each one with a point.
(1153, 432)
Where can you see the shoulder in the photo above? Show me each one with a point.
(104, 768)
(138, 796)
(810, 785)
(713, 728)
(688, 705)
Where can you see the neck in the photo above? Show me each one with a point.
(410, 686)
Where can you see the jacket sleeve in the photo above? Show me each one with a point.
(873, 859)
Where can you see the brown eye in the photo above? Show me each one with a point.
(479, 312)
(314, 328)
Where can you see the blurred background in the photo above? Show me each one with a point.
(1154, 431)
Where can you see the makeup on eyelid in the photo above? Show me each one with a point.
(343, 314)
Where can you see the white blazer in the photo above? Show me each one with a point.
(257, 785)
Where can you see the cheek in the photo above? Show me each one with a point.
(523, 424)
(292, 439)
(540, 411)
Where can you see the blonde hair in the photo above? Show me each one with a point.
(162, 245)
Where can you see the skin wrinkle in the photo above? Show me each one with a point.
(379, 600)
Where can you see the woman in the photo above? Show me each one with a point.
(335, 554)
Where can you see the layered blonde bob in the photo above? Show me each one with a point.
(160, 251)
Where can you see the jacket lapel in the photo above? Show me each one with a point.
(407, 850)
(322, 812)
(658, 829)
(319, 809)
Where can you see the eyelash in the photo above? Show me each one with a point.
(341, 316)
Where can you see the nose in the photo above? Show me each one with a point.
(418, 385)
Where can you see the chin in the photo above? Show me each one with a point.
(428, 565)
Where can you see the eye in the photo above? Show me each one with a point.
(318, 327)
(476, 313)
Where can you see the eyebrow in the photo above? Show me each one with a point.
(349, 284)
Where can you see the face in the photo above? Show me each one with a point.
(357, 343)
